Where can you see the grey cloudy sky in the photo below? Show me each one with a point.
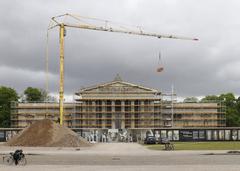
(210, 66)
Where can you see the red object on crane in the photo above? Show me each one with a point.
(160, 69)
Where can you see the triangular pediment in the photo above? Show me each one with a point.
(117, 87)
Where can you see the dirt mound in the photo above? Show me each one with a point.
(46, 133)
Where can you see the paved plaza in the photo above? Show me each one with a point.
(122, 156)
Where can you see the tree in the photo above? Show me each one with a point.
(36, 95)
(191, 100)
(228, 99)
(208, 98)
(33, 94)
(232, 107)
(46, 96)
(6, 96)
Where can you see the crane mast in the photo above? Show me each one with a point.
(82, 25)
(61, 82)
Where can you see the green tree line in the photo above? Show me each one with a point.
(229, 100)
(31, 94)
(7, 95)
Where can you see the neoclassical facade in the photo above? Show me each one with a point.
(122, 105)
(118, 105)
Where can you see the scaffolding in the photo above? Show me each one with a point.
(129, 113)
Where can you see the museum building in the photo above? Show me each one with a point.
(117, 106)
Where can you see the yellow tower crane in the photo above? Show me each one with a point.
(102, 25)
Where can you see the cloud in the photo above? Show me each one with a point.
(195, 68)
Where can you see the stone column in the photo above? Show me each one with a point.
(104, 115)
(84, 122)
(142, 122)
(132, 115)
(93, 115)
(113, 115)
(122, 114)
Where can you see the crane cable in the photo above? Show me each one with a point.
(160, 64)
(159, 58)
(47, 60)
(47, 71)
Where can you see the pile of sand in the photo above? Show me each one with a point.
(46, 133)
